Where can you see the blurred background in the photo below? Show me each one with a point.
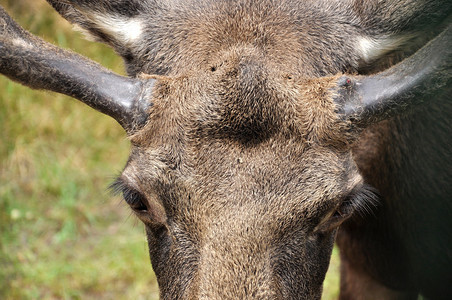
(62, 234)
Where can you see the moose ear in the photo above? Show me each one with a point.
(118, 23)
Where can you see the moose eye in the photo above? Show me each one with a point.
(132, 197)
(361, 201)
(135, 200)
(343, 212)
(148, 211)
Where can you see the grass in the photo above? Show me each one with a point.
(62, 236)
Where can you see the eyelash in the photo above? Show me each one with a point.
(362, 201)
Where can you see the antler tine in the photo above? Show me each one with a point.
(40, 65)
(368, 99)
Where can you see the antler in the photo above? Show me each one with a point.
(369, 99)
(40, 65)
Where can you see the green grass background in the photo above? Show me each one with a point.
(62, 235)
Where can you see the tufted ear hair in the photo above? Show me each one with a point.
(118, 23)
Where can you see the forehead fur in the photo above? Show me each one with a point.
(238, 70)
(178, 37)
(244, 103)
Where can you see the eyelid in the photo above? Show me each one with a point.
(361, 201)
(148, 211)
(133, 197)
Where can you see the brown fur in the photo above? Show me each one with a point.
(243, 149)
(245, 170)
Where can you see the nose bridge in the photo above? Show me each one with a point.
(235, 260)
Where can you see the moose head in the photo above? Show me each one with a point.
(241, 123)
